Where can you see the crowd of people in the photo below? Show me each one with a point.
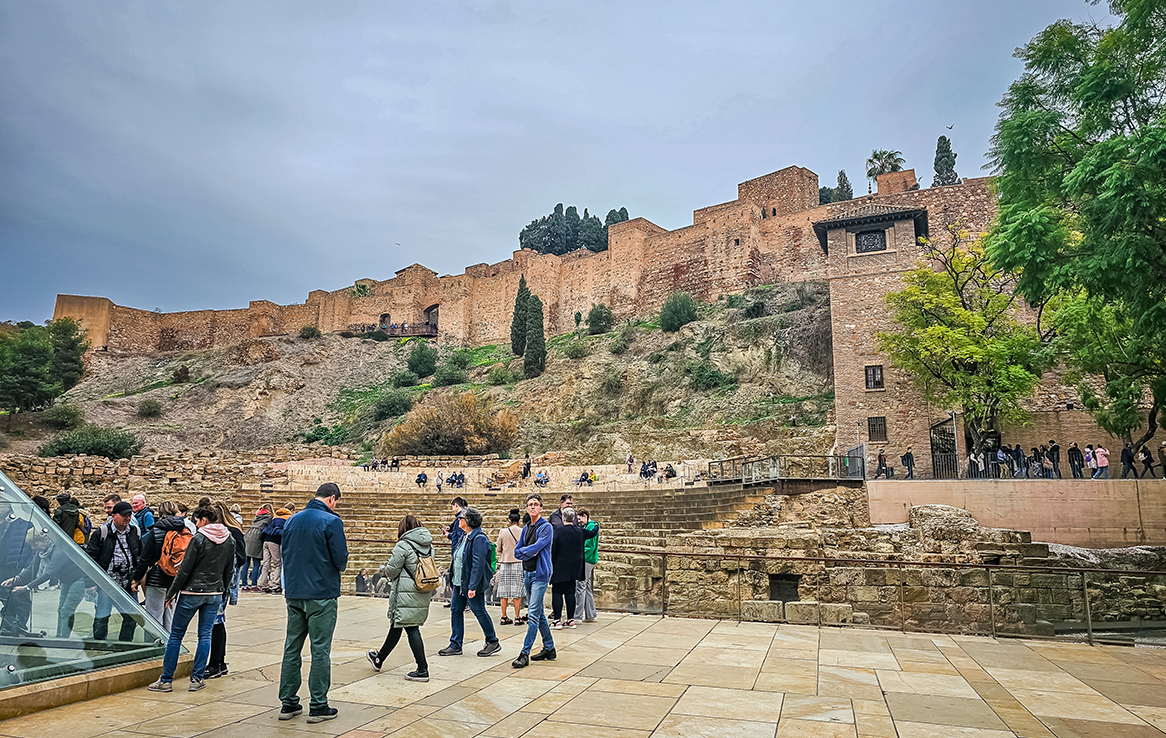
(1044, 462)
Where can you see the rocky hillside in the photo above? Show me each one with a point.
(752, 374)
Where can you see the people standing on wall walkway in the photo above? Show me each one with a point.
(1127, 461)
(1101, 455)
(1162, 459)
(1055, 457)
(1146, 459)
(408, 606)
(881, 468)
(314, 553)
(535, 554)
(1076, 460)
(908, 460)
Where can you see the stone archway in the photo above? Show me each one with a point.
(384, 322)
(431, 315)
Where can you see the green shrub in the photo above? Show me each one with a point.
(675, 346)
(577, 349)
(309, 332)
(460, 359)
(612, 383)
(706, 376)
(405, 379)
(347, 334)
(755, 310)
(377, 335)
(656, 358)
(64, 415)
(599, 319)
(393, 405)
(500, 375)
(181, 375)
(735, 301)
(619, 345)
(422, 359)
(447, 375)
(328, 436)
(678, 310)
(149, 409)
(92, 440)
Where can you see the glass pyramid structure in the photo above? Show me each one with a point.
(54, 600)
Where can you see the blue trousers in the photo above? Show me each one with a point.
(207, 607)
(536, 619)
(457, 616)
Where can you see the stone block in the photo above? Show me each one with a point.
(763, 611)
(916, 594)
(864, 594)
(834, 613)
(847, 576)
(802, 612)
(973, 578)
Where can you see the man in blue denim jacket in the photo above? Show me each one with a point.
(534, 551)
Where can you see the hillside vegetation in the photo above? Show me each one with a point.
(752, 374)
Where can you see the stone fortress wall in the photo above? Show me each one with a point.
(768, 233)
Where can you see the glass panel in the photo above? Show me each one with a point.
(52, 595)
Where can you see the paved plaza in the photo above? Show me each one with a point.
(637, 676)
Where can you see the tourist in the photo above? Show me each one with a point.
(217, 666)
(1091, 460)
(1102, 456)
(13, 530)
(470, 577)
(143, 515)
(908, 460)
(48, 563)
(237, 513)
(109, 501)
(566, 567)
(1021, 462)
(440, 481)
(149, 574)
(454, 531)
(584, 478)
(584, 591)
(272, 537)
(591, 478)
(362, 582)
(1162, 459)
(408, 606)
(422, 480)
(1127, 461)
(510, 586)
(184, 511)
(1046, 462)
(535, 554)
(881, 466)
(41, 502)
(565, 503)
(315, 553)
(1076, 460)
(1055, 457)
(116, 546)
(526, 467)
(69, 518)
(395, 465)
(253, 539)
(1147, 461)
(631, 462)
(202, 579)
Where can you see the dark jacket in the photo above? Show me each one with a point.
(54, 564)
(67, 516)
(314, 553)
(207, 566)
(152, 543)
(1127, 456)
(254, 535)
(100, 547)
(456, 534)
(476, 562)
(557, 518)
(273, 531)
(13, 550)
(1055, 454)
(567, 553)
(240, 546)
(1076, 457)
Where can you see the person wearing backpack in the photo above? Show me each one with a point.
(69, 518)
(253, 540)
(163, 547)
(470, 577)
(116, 546)
(272, 538)
(408, 604)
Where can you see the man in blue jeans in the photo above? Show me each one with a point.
(203, 576)
(470, 577)
(534, 551)
(314, 553)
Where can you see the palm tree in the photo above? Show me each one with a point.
(882, 161)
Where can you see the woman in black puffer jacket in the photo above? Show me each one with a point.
(156, 581)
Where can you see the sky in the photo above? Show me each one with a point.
(181, 156)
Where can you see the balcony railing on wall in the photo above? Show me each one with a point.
(758, 470)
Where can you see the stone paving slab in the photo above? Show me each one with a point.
(630, 676)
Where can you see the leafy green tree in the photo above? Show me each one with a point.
(843, 191)
(882, 161)
(1080, 148)
(422, 360)
(599, 319)
(564, 230)
(616, 216)
(393, 404)
(518, 319)
(679, 310)
(534, 361)
(944, 164)
(69, 347)
(26, 372)
(958, 336)
(825, 195)
(578, 319)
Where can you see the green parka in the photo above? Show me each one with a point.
(407, 606)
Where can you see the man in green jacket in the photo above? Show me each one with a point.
(584, 595)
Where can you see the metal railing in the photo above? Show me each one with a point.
(756, 470)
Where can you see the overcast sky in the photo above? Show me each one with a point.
(182, 155)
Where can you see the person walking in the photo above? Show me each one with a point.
(1076, 460)
(1055, 457)
(908, 460)
(566, 568)
(584, 593)
(149, 574)
(1127, 461)
(1146, 459)
(510, 587)
(1102, 456)
(535, 554)
(272, 537)
(116, 546)
(408, 606)
(1162, 459)
(253, 542)
(881, 466)
(470, 576)
(203, 577)
(315, 552)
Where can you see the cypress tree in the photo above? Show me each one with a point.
(535, 359)
(518, 321)
(843, 191)
(825, 195)
(944, 164)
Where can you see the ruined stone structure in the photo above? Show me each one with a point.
(774, 230)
